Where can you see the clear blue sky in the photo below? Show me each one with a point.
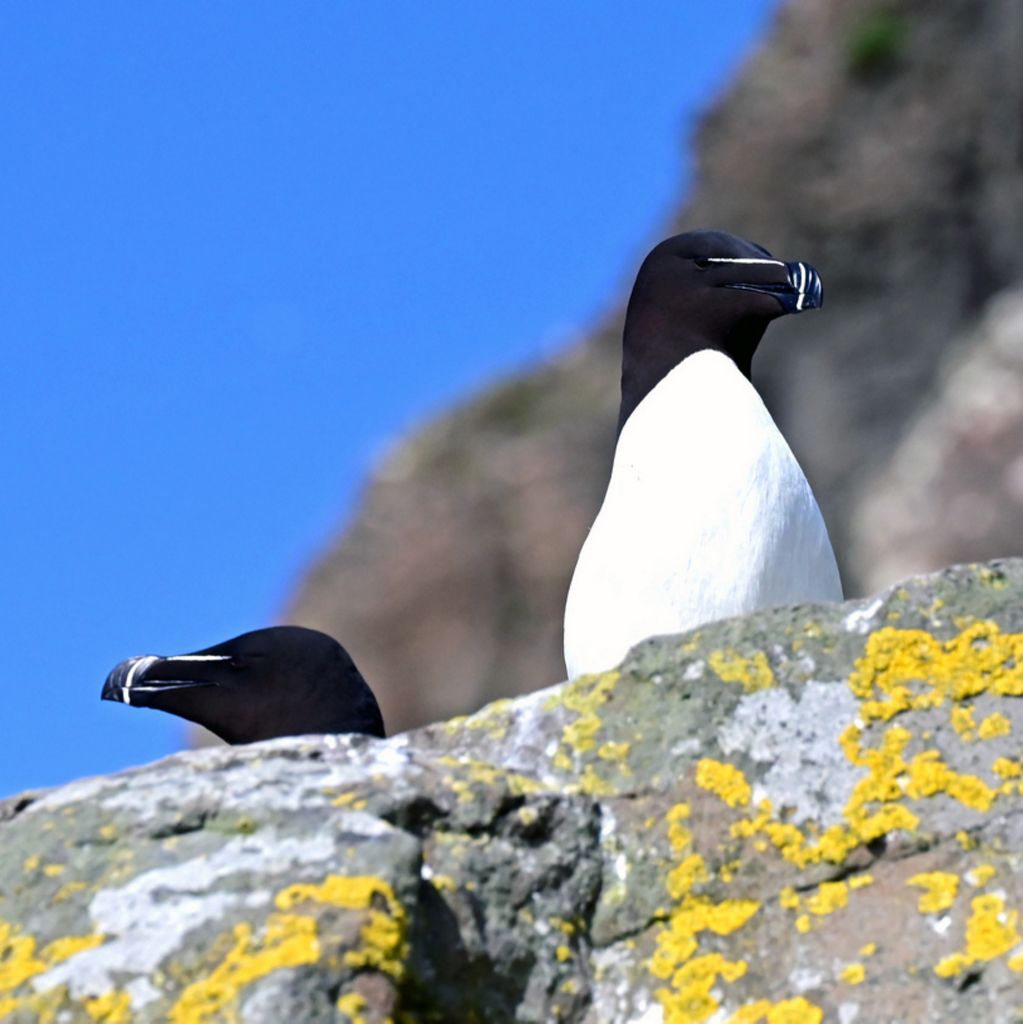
(243, 247)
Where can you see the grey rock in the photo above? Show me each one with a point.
(809, 814)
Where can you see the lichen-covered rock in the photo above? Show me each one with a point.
(810, 814)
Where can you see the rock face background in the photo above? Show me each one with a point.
(881, 141)
(810, 814)
(955, 481)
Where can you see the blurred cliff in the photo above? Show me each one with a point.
(882, 142)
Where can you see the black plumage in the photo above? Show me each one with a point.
(281, 681)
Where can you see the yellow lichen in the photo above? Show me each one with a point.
(678, 835)
(881, 786)
(991, 932)
(724, 781)
(384, 946)
(351, 1004)
(68, 945)
(494, 719)
(853, 974)
(111, 1008)
(691, 997)
(992, 578)
(751, 1013)
(752, 673)
(563, 953)
(788, 1011)
(291, 940)
(788, 898)
(691, 973)
(829, 897)
(903, 669)
(477, 774)
(580, 735)
(41, 1007)
(681, 879)
(691, 977)
(728, 870)
(528, 816)
(940, 888)
(980, 875)
(929, 775)
(591, 783)
(994, 725)
(288, 940)
(869, 949)
(962, 721)
(67, 890)
(585, 696)
(1007, 768)
(613, 751)
(20, 961)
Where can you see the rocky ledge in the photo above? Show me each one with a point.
(808, 814)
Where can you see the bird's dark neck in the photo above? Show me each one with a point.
(650, 351)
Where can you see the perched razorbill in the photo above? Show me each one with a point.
(281, 681)
(707, 513)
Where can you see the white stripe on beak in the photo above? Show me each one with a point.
(804, 278)
(138, 665)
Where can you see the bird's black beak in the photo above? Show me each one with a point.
(802, 289)
(138, 681)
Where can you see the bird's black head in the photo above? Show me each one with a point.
(705, 290)
(282, 681)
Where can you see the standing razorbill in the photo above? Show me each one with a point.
(707, 513)
(282, 681)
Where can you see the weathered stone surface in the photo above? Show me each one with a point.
(809, 814)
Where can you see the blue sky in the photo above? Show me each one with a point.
(244, 248)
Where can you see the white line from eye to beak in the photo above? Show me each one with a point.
(197, 657)
(744, 259)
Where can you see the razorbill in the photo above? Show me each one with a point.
(707, 513)
(282, 681)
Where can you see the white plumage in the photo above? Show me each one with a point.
(707, 515)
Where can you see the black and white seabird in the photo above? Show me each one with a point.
(707, 513)
(281, 681)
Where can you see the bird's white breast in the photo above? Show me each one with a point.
(707, 515)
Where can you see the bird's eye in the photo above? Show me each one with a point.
(702, 262)
(236, 662)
